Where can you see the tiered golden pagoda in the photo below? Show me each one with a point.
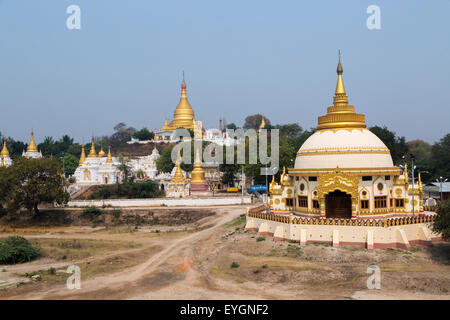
(92, 154)
(82, 157)
(183, 115)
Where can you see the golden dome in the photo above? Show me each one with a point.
(32, 145)
(198, 174)
(92, 154)
(102, 153)
(183, 115)
(82, 157)
(4, 153)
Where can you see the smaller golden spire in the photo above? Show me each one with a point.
(5, 153)
(82, 157)
(263, 123)
(92, 154)
(2, 164)
(32, 145)
(109, 158)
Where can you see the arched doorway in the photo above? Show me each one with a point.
(338, 204)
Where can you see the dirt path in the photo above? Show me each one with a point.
(118, 285)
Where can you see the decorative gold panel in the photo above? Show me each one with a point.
(338, 180)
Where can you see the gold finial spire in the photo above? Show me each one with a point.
(4, 153)
(82, 157)
(340, 95)
(341, 114)
(2, 164)
(92, 154)
(109, 158)
(32, 145)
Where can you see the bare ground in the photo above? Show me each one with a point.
(193, 261)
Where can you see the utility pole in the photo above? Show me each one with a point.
(412, 170)
(441, 181)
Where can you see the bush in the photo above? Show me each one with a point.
(130, 190)
(92, 213)
(234, 265)
(17, 249)
(260, 239)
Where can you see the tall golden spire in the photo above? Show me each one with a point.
(341, 114)
(198, 174)
(4, 153)
(109, 158)
(82, 157)
(32, 145)
(92, 154)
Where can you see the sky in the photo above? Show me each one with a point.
(277, 58)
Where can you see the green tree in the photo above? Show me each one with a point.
(143, 134)
(70, 163)
(440, 157)
(442, 222)
(32, 182)
(125, 168)
(396, 145)
(254, 121)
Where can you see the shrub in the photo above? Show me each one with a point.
(17, 249)
(265, 266)
(260, 239)
(234, 265)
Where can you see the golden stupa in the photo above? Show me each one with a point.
(178, 177)
(5, 152)
(109, 158)
(101, 153)
(82, 157)
(198, 174)
(183, 116)
(32, 145)
(92, 153)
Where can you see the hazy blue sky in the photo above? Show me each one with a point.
(277, 58)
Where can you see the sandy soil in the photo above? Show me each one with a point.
(194, 262)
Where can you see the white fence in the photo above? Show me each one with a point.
(158, 202)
